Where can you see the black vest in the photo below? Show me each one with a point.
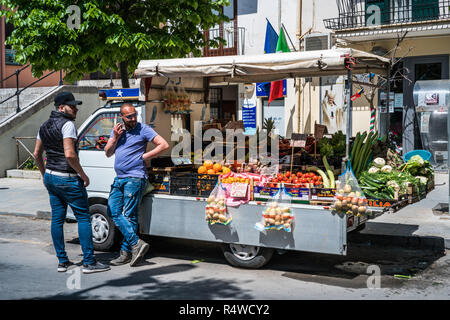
(52, 139)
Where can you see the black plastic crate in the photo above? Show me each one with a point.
(192, 184)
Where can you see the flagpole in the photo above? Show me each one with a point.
(285, 31)
(349, 113)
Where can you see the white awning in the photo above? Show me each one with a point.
(265, 67)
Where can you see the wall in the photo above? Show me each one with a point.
(27, 123)
(254, 22)
(26, 78)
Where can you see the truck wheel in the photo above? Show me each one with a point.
(244, 256)
(105, 235)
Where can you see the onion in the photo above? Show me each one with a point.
(338, 205)
(362, 209)
(347, 188)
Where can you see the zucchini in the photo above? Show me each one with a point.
(330, 172)
(358, 150)
(354, 147)
(361, 153)
(326, 182)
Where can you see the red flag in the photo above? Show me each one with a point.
(276, 90)
(276, 87)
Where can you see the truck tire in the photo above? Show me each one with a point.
(105, 235)
(244, 256)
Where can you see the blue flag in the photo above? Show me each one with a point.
(270, 44)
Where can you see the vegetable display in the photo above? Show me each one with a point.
(277, 216)
(362, 151)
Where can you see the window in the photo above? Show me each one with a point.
(10, 54)
(96, 135)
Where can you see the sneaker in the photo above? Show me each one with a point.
(124, 258)
(62, 267)
(138, 251)
(96, 267)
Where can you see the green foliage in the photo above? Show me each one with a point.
(30, 165)
(111, 32)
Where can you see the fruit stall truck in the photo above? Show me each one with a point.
(316, 228)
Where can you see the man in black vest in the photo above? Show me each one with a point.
(65, 180)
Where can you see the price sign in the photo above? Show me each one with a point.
(298, 140)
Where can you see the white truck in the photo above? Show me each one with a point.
(316, 229)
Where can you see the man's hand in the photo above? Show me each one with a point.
(85, 178)
(118, 130)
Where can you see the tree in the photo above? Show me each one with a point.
(110, 34)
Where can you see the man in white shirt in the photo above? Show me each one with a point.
(66, 180)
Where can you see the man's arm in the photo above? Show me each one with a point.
(38, 159)
(161, 146)
(111, 145)
(73, 160)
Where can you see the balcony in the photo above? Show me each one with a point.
(234, 37)
(375, 14)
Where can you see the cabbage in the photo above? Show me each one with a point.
(423, 180)
(386, 169)
(374, 170)
(417, 160)
(379, 162)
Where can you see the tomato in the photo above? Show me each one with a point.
(272, 185)
(279, 176)
(287, 174)
(315, 178)
(303, 180)
(299, 174)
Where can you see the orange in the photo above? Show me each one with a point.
(211, 171)
(208, 164)
(217, 167)
(201, 170)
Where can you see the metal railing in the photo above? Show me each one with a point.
(20, 90)
(234, 37)
(20, 143)
(370, 13)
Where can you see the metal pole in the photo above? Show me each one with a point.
(60, 78)
(349, 113)
(17, 91)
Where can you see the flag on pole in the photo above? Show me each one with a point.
(276, 87)
(357, 95)
(270, 46)
(270, 43)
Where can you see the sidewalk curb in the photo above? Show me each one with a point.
(434, 243)
(42, 215)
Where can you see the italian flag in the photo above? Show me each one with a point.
(276, 87)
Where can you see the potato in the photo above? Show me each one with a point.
(287, 225)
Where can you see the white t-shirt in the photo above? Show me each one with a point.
(68, 130)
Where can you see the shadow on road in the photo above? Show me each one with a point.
(143, 285)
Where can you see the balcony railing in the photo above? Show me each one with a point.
(234, 37)
(373, 13)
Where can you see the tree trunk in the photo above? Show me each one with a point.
(124, 74)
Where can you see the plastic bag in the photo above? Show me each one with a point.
(350, 198)
(216, 208)
(277, 215)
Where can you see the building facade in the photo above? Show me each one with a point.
(414, 33)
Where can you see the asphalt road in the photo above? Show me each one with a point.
(181, 269)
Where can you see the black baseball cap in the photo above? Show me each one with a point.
(66, 97)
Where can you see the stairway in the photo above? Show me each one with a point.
(26, 98)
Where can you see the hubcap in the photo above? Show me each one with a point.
(100, 228)
(244, 252)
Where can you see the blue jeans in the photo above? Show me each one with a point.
(123, 206)
(70, 191)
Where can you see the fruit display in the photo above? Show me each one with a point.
(295, 180)
(209, 167)
(278, 216)
(216, 210)
(350, 202)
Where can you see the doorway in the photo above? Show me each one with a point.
(418, 68)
